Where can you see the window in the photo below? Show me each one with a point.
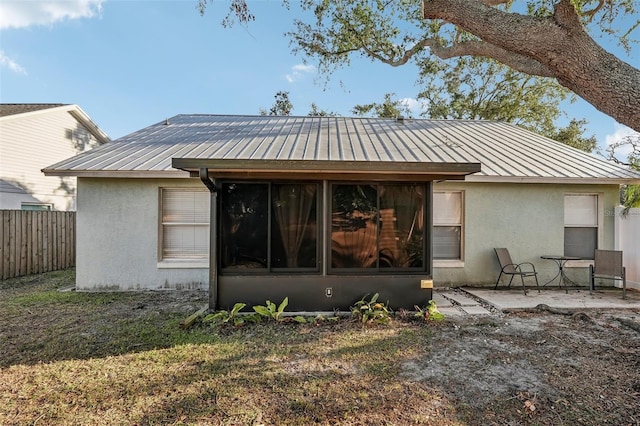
(377, 227)
(269, 226)
(36, 206)
(447, 225)
(580, 225)
(272, 226)
(185, 223)
(294, 227)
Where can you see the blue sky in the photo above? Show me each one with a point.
(129, 64)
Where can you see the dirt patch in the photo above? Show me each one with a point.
(581, 369)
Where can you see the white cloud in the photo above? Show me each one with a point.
(6, 61)
(414, 106)
(621, 132)
(298, 71)
(26, 13)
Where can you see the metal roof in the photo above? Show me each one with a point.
(224, 142)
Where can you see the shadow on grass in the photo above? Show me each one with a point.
(121, 358)
(42, 324)
(262, 379)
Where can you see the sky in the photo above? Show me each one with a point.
(130, 64)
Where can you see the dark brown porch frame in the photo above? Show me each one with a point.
(306, 169)
(326, 170)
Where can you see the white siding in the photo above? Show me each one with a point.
(30, 142)
(627, 236)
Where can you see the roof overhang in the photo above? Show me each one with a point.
(318, 169)
(125, 174)
(87, 122)
(555, 180)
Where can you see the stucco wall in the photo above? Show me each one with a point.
(117, 237)
(528, 219)
(117, 242)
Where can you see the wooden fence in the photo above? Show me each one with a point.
(32, 242)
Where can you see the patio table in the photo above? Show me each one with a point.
(560, 261)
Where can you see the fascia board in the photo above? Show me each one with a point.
(118, 174)
(554, 180)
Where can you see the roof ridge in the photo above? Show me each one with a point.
(7, 109)
(350, 117)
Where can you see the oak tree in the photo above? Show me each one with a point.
(479, 89)
(628, 147)
(537, 37)
(281, 106)
(388, 108)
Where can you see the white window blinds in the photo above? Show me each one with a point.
(185, 223)
(447, 225)
(447, 208)
(580, 225)
(580, 210)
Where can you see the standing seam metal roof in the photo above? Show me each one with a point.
(506, 152)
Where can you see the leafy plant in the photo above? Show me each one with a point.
(227, 316)
(371, 311)
(429, 312)
(272, 310)
(302, 320)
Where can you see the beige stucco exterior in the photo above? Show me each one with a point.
(118, 231)
(117, 237)
(528, 219)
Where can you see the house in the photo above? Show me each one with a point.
(33, 136)
(325, 210)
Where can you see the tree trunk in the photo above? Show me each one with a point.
(559, 43)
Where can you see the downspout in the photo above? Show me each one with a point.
(213, 239)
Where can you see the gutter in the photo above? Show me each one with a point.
(213, 238)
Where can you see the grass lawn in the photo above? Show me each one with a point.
(122, 359)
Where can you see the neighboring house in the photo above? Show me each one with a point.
(33, 136)
(325, 210)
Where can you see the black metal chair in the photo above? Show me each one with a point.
(508, 267)
(607, 264)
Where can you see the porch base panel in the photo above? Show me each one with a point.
(322, 293)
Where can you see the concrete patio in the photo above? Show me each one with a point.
(486, 301)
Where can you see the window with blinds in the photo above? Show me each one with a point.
(185, 223)
(580, 225)
(447, 225)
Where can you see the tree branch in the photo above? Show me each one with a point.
(560, 43)
(408, 54)
(566, 16)
(495, 2)
(479, 48)
(469, 48)
(591, 13)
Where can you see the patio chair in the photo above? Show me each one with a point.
(607, 264)
(508, 267)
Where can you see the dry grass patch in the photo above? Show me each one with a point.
(122, 359)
